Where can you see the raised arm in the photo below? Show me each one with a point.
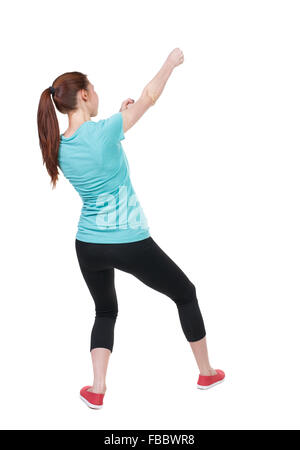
(152, 90)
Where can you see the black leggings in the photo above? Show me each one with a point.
(149, 263)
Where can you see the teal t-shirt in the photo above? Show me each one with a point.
(94, 162)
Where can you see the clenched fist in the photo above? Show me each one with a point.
(175, 57)
(126, 104)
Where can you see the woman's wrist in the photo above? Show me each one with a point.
(169, 65)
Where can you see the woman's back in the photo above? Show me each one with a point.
(94, 162)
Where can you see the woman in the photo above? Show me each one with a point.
(113, 232)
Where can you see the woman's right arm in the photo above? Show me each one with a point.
(152, 90)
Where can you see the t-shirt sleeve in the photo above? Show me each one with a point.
(113, 127)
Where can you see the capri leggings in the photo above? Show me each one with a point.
(149, 263)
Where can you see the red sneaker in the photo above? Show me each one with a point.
(94, 401)
(208, 381)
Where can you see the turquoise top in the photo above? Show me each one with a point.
(94, 162)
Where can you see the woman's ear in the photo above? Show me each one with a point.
(83, 94)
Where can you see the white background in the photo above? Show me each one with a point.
(215, 164)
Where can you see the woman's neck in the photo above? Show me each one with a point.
(75, 120)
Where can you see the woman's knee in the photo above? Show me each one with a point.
(106, 305)
(111, 313)
(186, 294)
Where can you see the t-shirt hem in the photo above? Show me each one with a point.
(101, 238)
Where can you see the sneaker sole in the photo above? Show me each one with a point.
(90, 405)
(210, 385)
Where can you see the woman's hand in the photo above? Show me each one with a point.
(126, 104)
(175, 57)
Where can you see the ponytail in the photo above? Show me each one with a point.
(64, 90)
(49, 136)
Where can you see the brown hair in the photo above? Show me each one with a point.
(65, 99)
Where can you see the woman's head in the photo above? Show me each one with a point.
(72, 91)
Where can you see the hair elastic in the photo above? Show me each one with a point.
(52, 90)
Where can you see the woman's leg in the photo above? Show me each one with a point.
(199, 349)
(149, 263)
(100, 282)
(102, 288)
(100, 359)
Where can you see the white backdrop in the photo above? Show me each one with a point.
(215, 164)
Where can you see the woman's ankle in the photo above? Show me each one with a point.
(98, 389)
(207, 371)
